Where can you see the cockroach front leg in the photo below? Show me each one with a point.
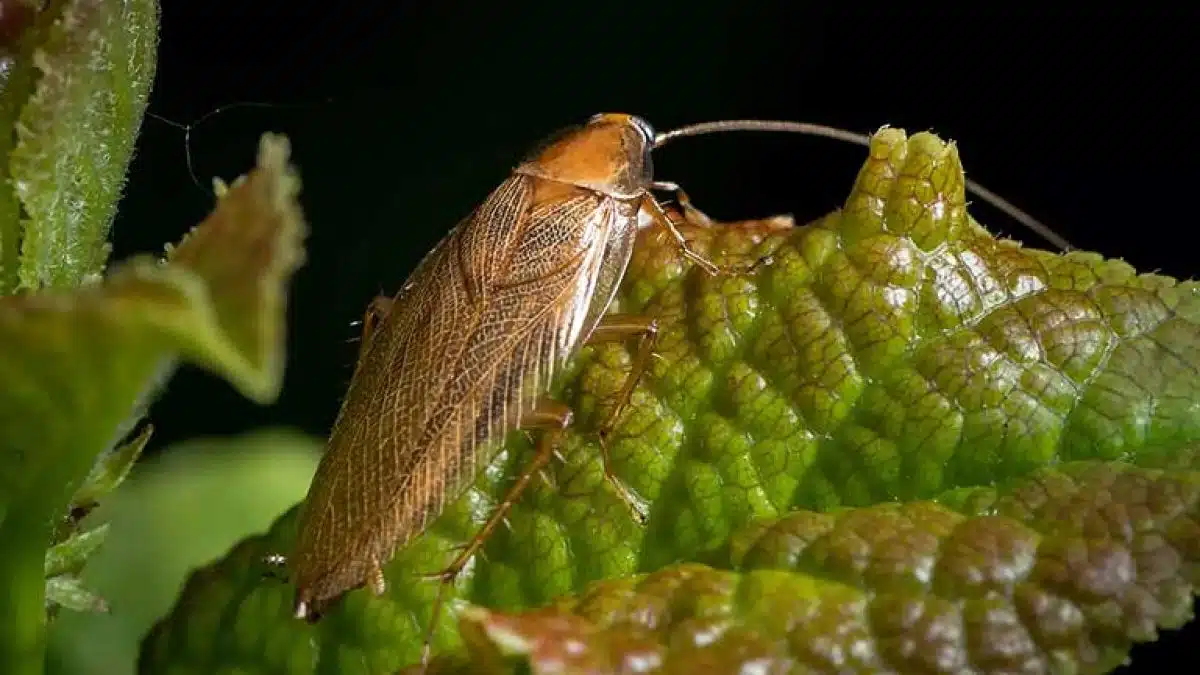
(659, 215)
(690, 213)
(552, 419)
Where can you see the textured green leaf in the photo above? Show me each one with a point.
(93, 65)
(1059, 573)
(893, 352)
(75, 364)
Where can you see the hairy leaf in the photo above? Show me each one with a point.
(892, 353)
(75, 364)
(84, 76)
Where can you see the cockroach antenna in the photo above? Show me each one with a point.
(810, 129)
(188, 127)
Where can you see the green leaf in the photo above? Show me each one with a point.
(70, 555)
(20, 34)
(75, 364)
(179, 509)
(1061, 573)
(68, 592)
(93, 64)
(110, 470)
(894, 352)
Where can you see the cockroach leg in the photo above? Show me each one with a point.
(552, 419)
(377, 311)
(375, 579)
(660, 216)
(618, 327)
(690, 212)
(611, 328)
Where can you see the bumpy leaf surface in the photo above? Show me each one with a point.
(75, 364)
(1060, 572)
(892, 353)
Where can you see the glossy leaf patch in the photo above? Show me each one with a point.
(1060, 572)
(893, 353)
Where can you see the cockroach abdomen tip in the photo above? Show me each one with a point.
(304, 611)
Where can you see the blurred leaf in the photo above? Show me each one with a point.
(94, 64)
(74, 365)
(70, 555)
(68, 592)
(180, 509)
(18, 39)
(110, 470)
(15, 18)
(892, 353)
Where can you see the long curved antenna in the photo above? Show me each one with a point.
(188, 127)
(825, 131)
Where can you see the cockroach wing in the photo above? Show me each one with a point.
(473, 341)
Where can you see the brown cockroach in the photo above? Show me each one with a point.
(467, 350)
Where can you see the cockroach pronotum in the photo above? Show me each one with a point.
(467, 349)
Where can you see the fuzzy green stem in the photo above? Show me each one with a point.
(22, 593)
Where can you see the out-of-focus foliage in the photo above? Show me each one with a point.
(79, 365)
(179, 510)
(76, 76)
(85, 348)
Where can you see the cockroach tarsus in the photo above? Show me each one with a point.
(469, 346)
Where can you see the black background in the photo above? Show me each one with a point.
(403, 115)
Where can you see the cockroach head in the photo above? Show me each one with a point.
(609, 154)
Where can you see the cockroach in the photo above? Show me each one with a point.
(467, 350)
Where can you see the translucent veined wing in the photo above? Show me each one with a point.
(472, 342)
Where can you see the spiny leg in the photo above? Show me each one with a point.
(616, 328)
(552, 419)
(659, 215)
(690, 212)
